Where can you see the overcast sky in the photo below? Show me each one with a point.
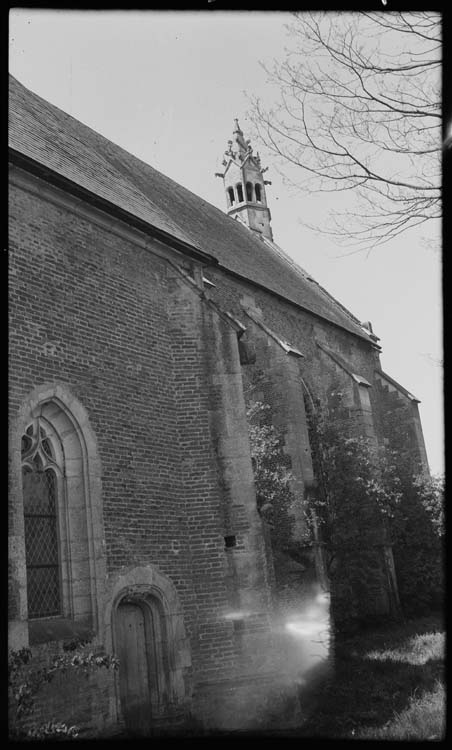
(166, 86)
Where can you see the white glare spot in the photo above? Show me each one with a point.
(304, 628)
(236, 615)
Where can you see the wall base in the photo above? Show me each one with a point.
(260, 703)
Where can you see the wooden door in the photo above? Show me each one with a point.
(133, 667)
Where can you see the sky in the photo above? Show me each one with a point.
(166, 86)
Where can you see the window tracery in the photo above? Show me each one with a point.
(41, 475)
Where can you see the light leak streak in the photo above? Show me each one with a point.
(239, 615)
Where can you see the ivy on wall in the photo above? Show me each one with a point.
(416, 528)
(272, 474)
(369, 497)
(26, 681)
(345, 507)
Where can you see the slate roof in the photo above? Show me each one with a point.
(42, 132)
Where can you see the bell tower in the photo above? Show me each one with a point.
(244, 184)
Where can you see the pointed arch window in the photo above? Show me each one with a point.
(61, 506)
(258, 193)
(231, 196)
(249, 191)
(42, 475)
(239, 192)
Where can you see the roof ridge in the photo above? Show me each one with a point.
(43, 132)
(310, 277)
(339, 304)
(106, 140)
(127, 154)
(74, 124)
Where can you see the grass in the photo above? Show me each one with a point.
(388, 684)
(424, 719)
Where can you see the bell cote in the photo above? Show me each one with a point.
(244, 184)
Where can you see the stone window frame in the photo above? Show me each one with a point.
(80, 516)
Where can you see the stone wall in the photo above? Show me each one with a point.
(298, 359)
(111, 322)
(116, 329)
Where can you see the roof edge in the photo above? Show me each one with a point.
(361, 337)
(343, 365)
(309, 277)
(288, 348)
(238, 327)
(36, 168)
(397, 386)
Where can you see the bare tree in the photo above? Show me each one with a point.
(359, 109)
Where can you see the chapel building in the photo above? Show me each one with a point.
(145, 323)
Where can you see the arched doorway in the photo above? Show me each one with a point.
(142, 649)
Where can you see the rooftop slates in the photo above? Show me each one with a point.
(61, 143)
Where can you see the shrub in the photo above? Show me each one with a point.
(26, 680)
(272, 475)
(417, 533)
(370, 496)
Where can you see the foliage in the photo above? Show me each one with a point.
(379, 674)
(416, 523)
(26, 681)
(346, 511)
(416, 527)
(360, 110)
(430, 491)
(423, 719)
(52, 730)
(270, 466)
(369, 496)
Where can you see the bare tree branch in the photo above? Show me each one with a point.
(360, 110)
